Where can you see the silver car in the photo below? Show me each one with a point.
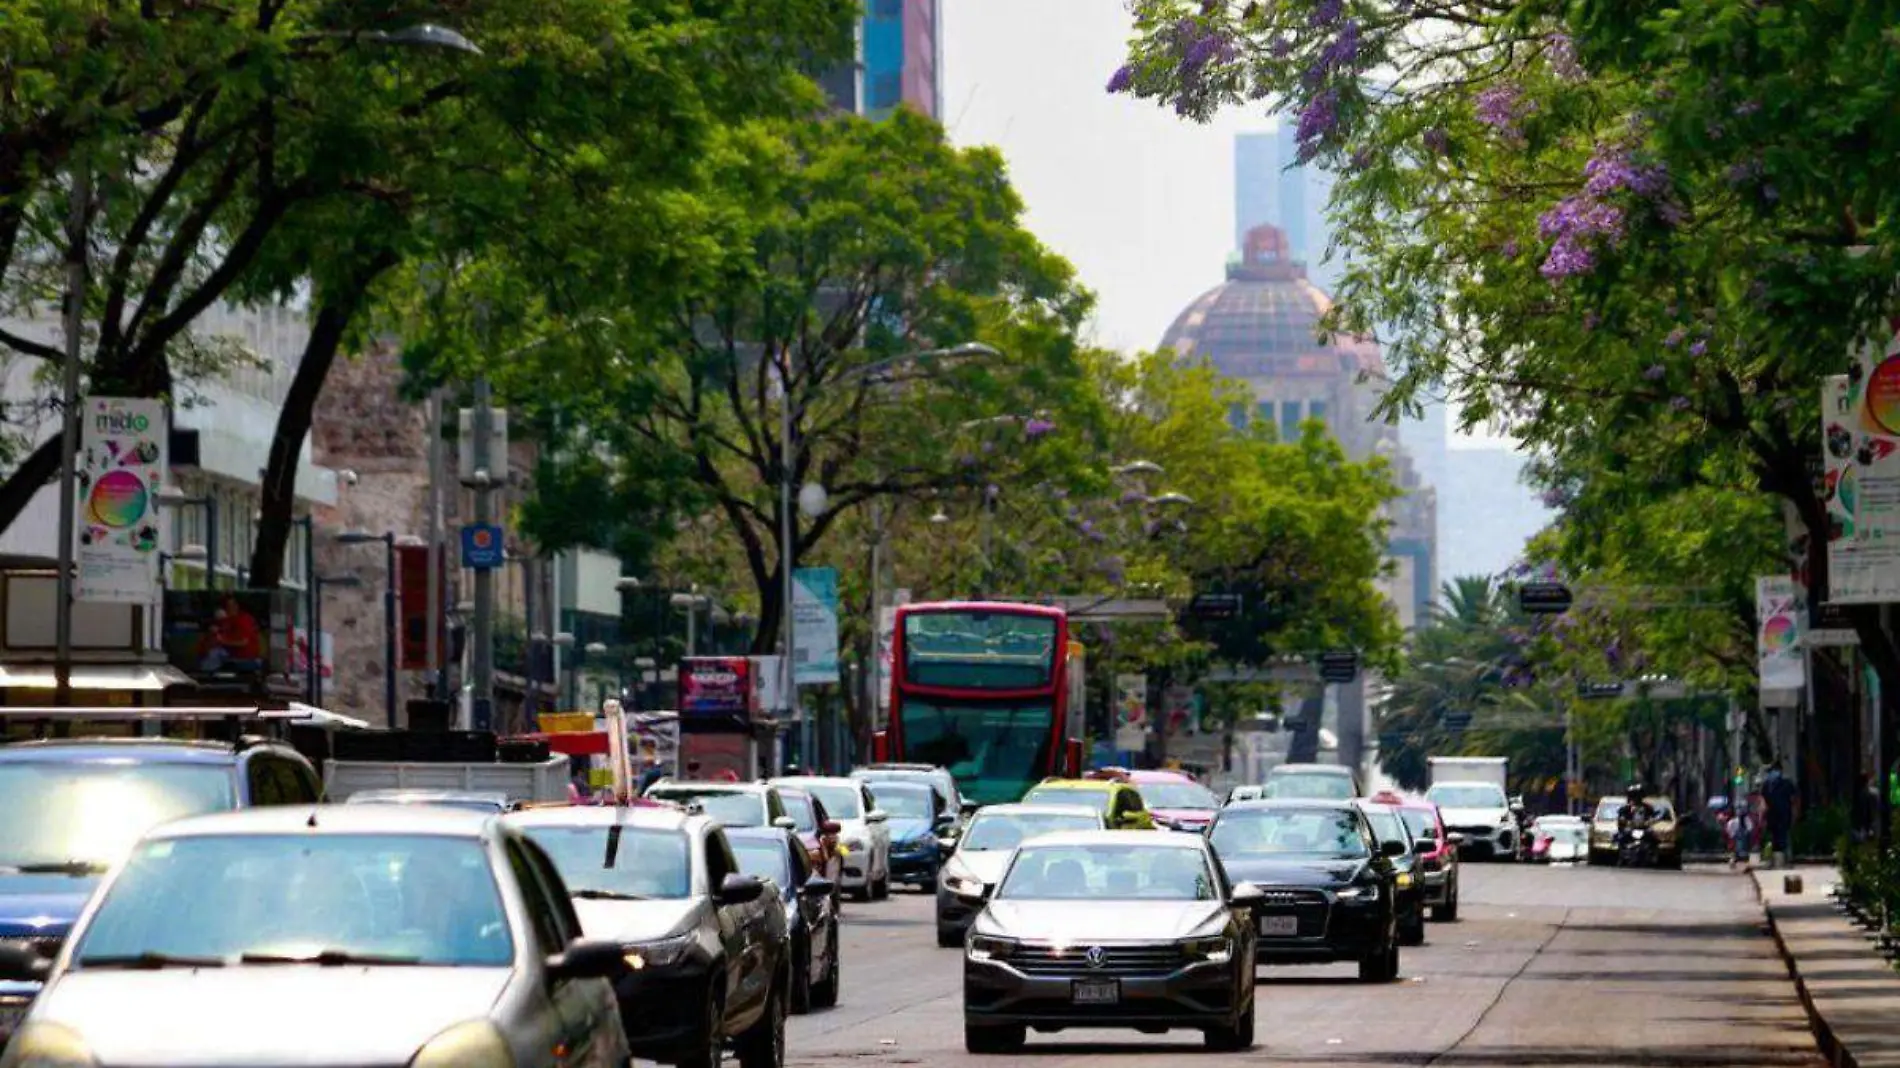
(976, 866)
(1135, 929)
(367, 935)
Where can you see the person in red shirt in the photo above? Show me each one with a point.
(233, 640)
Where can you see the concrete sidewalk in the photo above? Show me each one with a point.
(1851, 992)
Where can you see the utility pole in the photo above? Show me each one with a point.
(788, 551)
(482, 652)
(75, 323)
(436, 688)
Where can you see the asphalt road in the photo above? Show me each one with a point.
(1569, 966)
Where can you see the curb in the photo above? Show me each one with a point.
(1836, 1054)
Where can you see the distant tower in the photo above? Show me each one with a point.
(1272, 188)
(899, 61)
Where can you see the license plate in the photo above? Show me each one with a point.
(1279, 925)
(1096, 992)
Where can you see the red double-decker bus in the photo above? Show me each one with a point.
(991, 691)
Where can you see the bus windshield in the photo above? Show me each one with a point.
(995, 750)
(979, 650)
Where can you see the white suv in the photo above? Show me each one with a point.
(864, 831)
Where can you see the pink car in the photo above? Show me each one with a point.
(1175, 800)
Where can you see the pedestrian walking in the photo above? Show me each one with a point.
(1778, 798)
(1741, 831)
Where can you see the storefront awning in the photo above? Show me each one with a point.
(135, 677)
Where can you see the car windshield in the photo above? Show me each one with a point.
(902, 801)
(277, 899)
(1108, 872)
(1421, 822)
(1611, 807)
(61, 814)
(1177, 795)
(764, 858)
(1276, 832)
(1069, 795)
(1386, 825)
(938, 781)
(802, 812)
(1467, 795)
(1007, 830)
(608, 861)
(841, 801)
(1317, 786)
(728, 807)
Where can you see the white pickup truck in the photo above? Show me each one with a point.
(1470, 795)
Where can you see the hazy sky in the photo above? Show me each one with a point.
(1142, 202)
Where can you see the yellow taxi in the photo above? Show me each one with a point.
(1119, 803)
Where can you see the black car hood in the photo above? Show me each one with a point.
(1320, 872)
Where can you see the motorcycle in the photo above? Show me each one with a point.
(1636, 848)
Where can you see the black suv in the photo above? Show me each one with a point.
(707, 946)
(1327, 882)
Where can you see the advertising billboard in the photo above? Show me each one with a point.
(229, 635)
(716, 691)
(121, 469)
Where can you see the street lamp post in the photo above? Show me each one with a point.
(788, 469)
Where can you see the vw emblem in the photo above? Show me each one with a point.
(1096, 956)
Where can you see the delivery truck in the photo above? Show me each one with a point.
(1472, 798)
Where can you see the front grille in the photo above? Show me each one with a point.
(1115, 960)
(46, 946)
(1473, 831)
(1309, 907)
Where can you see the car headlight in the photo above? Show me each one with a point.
(475, 1044)
(1360, 893)
(1211, 950)
(963, 885)
(989, 947)
(660, 954)
(46, 1045)
(1405, 880)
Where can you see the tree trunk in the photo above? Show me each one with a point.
(279, 491)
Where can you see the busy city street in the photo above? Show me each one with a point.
(1549, 966)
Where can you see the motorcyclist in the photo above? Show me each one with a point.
(1637, 812)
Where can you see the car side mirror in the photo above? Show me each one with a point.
(945, 820)
(1425, 845)
(831, 827)
(739, 890)
(23, 963)
(1393, 848)
(785, 823)
(1246, 896)
(818, 886)
(588, 959)
(876, 815)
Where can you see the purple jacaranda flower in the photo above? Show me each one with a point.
(1581, 216)
(1327, 12)
(1317, 120)
(1437, 140)
(992, 491)
(1510, 249)
(965, 459)
(1362, 158)
(1131, 496)
(1700, 348)
(1561, 53)
(1567, 258)
(1674, 338)
(1681, 404)
(1655, 372)
(1500, 107)
(1342, 50)
(1552, 498)
(1096, 535)
(1280, 46)
(1742, 173)
(1122, 79)
(1037, 427)
(1611, 170)
(1087, 526)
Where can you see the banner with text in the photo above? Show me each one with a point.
(122, 458)
(1778, 640)
(815, 636)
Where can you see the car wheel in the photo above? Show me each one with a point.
(1448, 912)
(1234, 1038)
(801, 977)
(998, 1038)
(949, 938)
(764, 1045)
(708, 1048)
(881, 889)
(1412, 931)
(824, 993)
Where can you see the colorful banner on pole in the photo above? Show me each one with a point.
(815, 636)
(1778, 640)
(1131, 712)
(122, 458)
(1861, 475)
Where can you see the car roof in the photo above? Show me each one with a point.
(1304, 769)
(1139, 777)
(898, 769)
(421, 796)
(125, 750)
(333, 820)
(1151, 839)
(1036, 808)
(708, 786)
(816, 780)
(1316, 804)
(1080, 784)
(657, 818)
(901, 785)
